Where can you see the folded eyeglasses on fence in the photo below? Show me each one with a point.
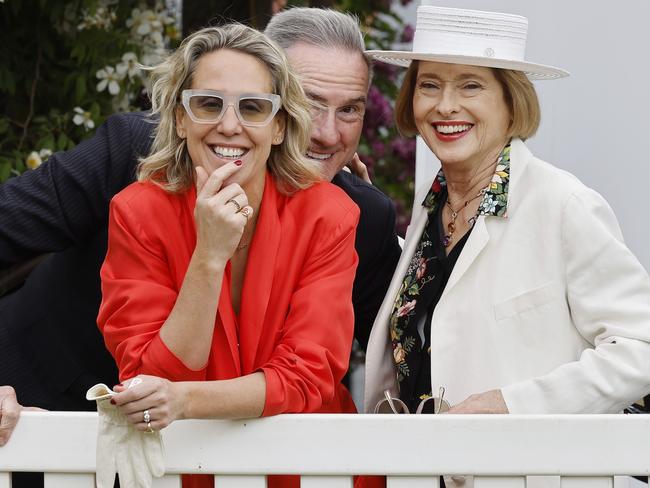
(428, 405)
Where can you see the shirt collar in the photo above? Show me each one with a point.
(495, 198)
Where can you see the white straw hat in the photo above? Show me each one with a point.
(472, 37)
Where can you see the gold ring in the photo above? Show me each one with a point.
(234, 202)
(146, 416)
(149, 429)
(246, 212)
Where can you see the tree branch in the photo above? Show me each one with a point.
(32, 95)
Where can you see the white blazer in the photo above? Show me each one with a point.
(548, 304)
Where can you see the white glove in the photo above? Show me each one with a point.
(121, 448)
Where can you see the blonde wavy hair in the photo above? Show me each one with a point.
(169, 165)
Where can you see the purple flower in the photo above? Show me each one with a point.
(404, 149)
(378, 149)
(408, 33)
(388, 70)
(378, 108)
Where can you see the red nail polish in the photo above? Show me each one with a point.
(238, 162)
(112, 402)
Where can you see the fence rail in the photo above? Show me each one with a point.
(566, 451)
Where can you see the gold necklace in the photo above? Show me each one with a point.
(451, 226)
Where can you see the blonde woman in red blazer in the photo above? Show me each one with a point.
(228, 279)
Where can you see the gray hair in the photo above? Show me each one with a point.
(318, 27)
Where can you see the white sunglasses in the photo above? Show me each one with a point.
(209, 106)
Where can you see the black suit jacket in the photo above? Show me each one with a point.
(50, 346)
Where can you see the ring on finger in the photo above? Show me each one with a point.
(234, 202)
(146, 417)
(149, 429)
(246, 212)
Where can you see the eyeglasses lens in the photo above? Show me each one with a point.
(255, 110)
(251, 110)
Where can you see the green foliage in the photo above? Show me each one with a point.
(50, 92)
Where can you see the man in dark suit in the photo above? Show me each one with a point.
(50, 347)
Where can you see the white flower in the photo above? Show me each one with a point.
(109, 77)
(129, 65)
(143, 22)
(103, 18)
(33, 160)
(83, 118)
(45, 153)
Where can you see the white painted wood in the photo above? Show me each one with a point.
(74, 480)
(587, 482)
(168, 481)
(229, 481)
(542, 482)
(326, 482)
(499, 482)
(345, 445)
(413, 482)
(5, 480)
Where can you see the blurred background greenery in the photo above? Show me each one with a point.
(67, 65)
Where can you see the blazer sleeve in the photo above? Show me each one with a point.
(313, 352)
(66, 199)
(138, 294)
(608, 292)
(376, 271)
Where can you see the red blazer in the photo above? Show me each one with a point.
(296, 317)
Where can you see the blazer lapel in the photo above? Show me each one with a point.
(229, 320)
(477, 240)
(258, 280)
(380, 371)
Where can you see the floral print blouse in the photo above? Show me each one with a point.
(426, 278)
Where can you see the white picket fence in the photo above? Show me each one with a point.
(565, 451)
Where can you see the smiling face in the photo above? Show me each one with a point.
(214, 144)
(461, 113)
(337, 80)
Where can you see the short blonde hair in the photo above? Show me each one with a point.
(169, 164)
(518, 90)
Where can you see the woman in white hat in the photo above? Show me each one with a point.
(515, 292)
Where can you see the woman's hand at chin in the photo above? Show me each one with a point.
(221, 213)
(164, 401)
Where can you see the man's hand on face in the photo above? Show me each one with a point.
(9, 413)
(357, 168)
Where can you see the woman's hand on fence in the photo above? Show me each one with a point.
(488, 402)
(150, 402)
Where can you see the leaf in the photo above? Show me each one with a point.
(5, 170)
(62, 142)
(80, 88)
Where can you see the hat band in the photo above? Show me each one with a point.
(461, 45)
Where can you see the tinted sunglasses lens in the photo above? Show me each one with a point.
(207, 108)
(255, 110)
